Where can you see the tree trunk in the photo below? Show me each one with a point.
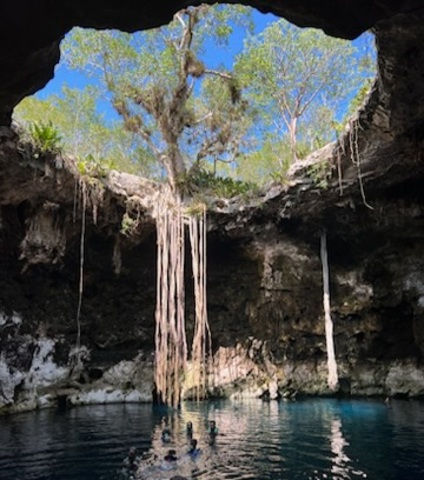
(293, 139)
(175, 169)
(331, 357)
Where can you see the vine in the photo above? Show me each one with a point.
(81, 270)
(339, 167)
(88, 192)
(355, 157)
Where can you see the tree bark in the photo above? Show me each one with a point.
(293, 139)
(175, 169)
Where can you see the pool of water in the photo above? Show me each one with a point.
(303, 440)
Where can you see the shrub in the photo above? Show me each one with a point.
(45, 137)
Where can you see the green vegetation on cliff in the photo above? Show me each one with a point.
(170, 106)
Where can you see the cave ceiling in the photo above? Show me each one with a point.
(31, 30)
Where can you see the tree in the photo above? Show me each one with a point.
(84, 131)
(301, 79)
(184, 114)
(270, 161)
(296, 76)
(179, 114)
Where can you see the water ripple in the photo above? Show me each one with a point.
(310, 440)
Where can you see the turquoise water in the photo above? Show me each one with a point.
(304, 440)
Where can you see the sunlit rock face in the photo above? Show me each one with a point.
(264, 269)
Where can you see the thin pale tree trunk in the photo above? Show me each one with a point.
(293, 138)
(331, 357)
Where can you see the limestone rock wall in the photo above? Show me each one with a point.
(264, 284)
(264, 272)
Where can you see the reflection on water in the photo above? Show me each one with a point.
(342, 467)
(307, 440)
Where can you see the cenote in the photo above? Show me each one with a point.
(309, 439)
(135, 268)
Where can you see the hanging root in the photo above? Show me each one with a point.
(83, 190)
(355, 157)
(201, 348)
(170, 334)
(331, 356)
(339, 171)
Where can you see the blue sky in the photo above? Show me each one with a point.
(221, 55)
(215, 55)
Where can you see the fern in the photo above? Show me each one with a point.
(45, 137)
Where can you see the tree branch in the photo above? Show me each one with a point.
(217, 73)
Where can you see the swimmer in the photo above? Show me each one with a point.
(130, 464)
(166, 432)
(189, 429)
(166, 435)
(171, 456)
(212, 431)
(131, 461)
(194, 451)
